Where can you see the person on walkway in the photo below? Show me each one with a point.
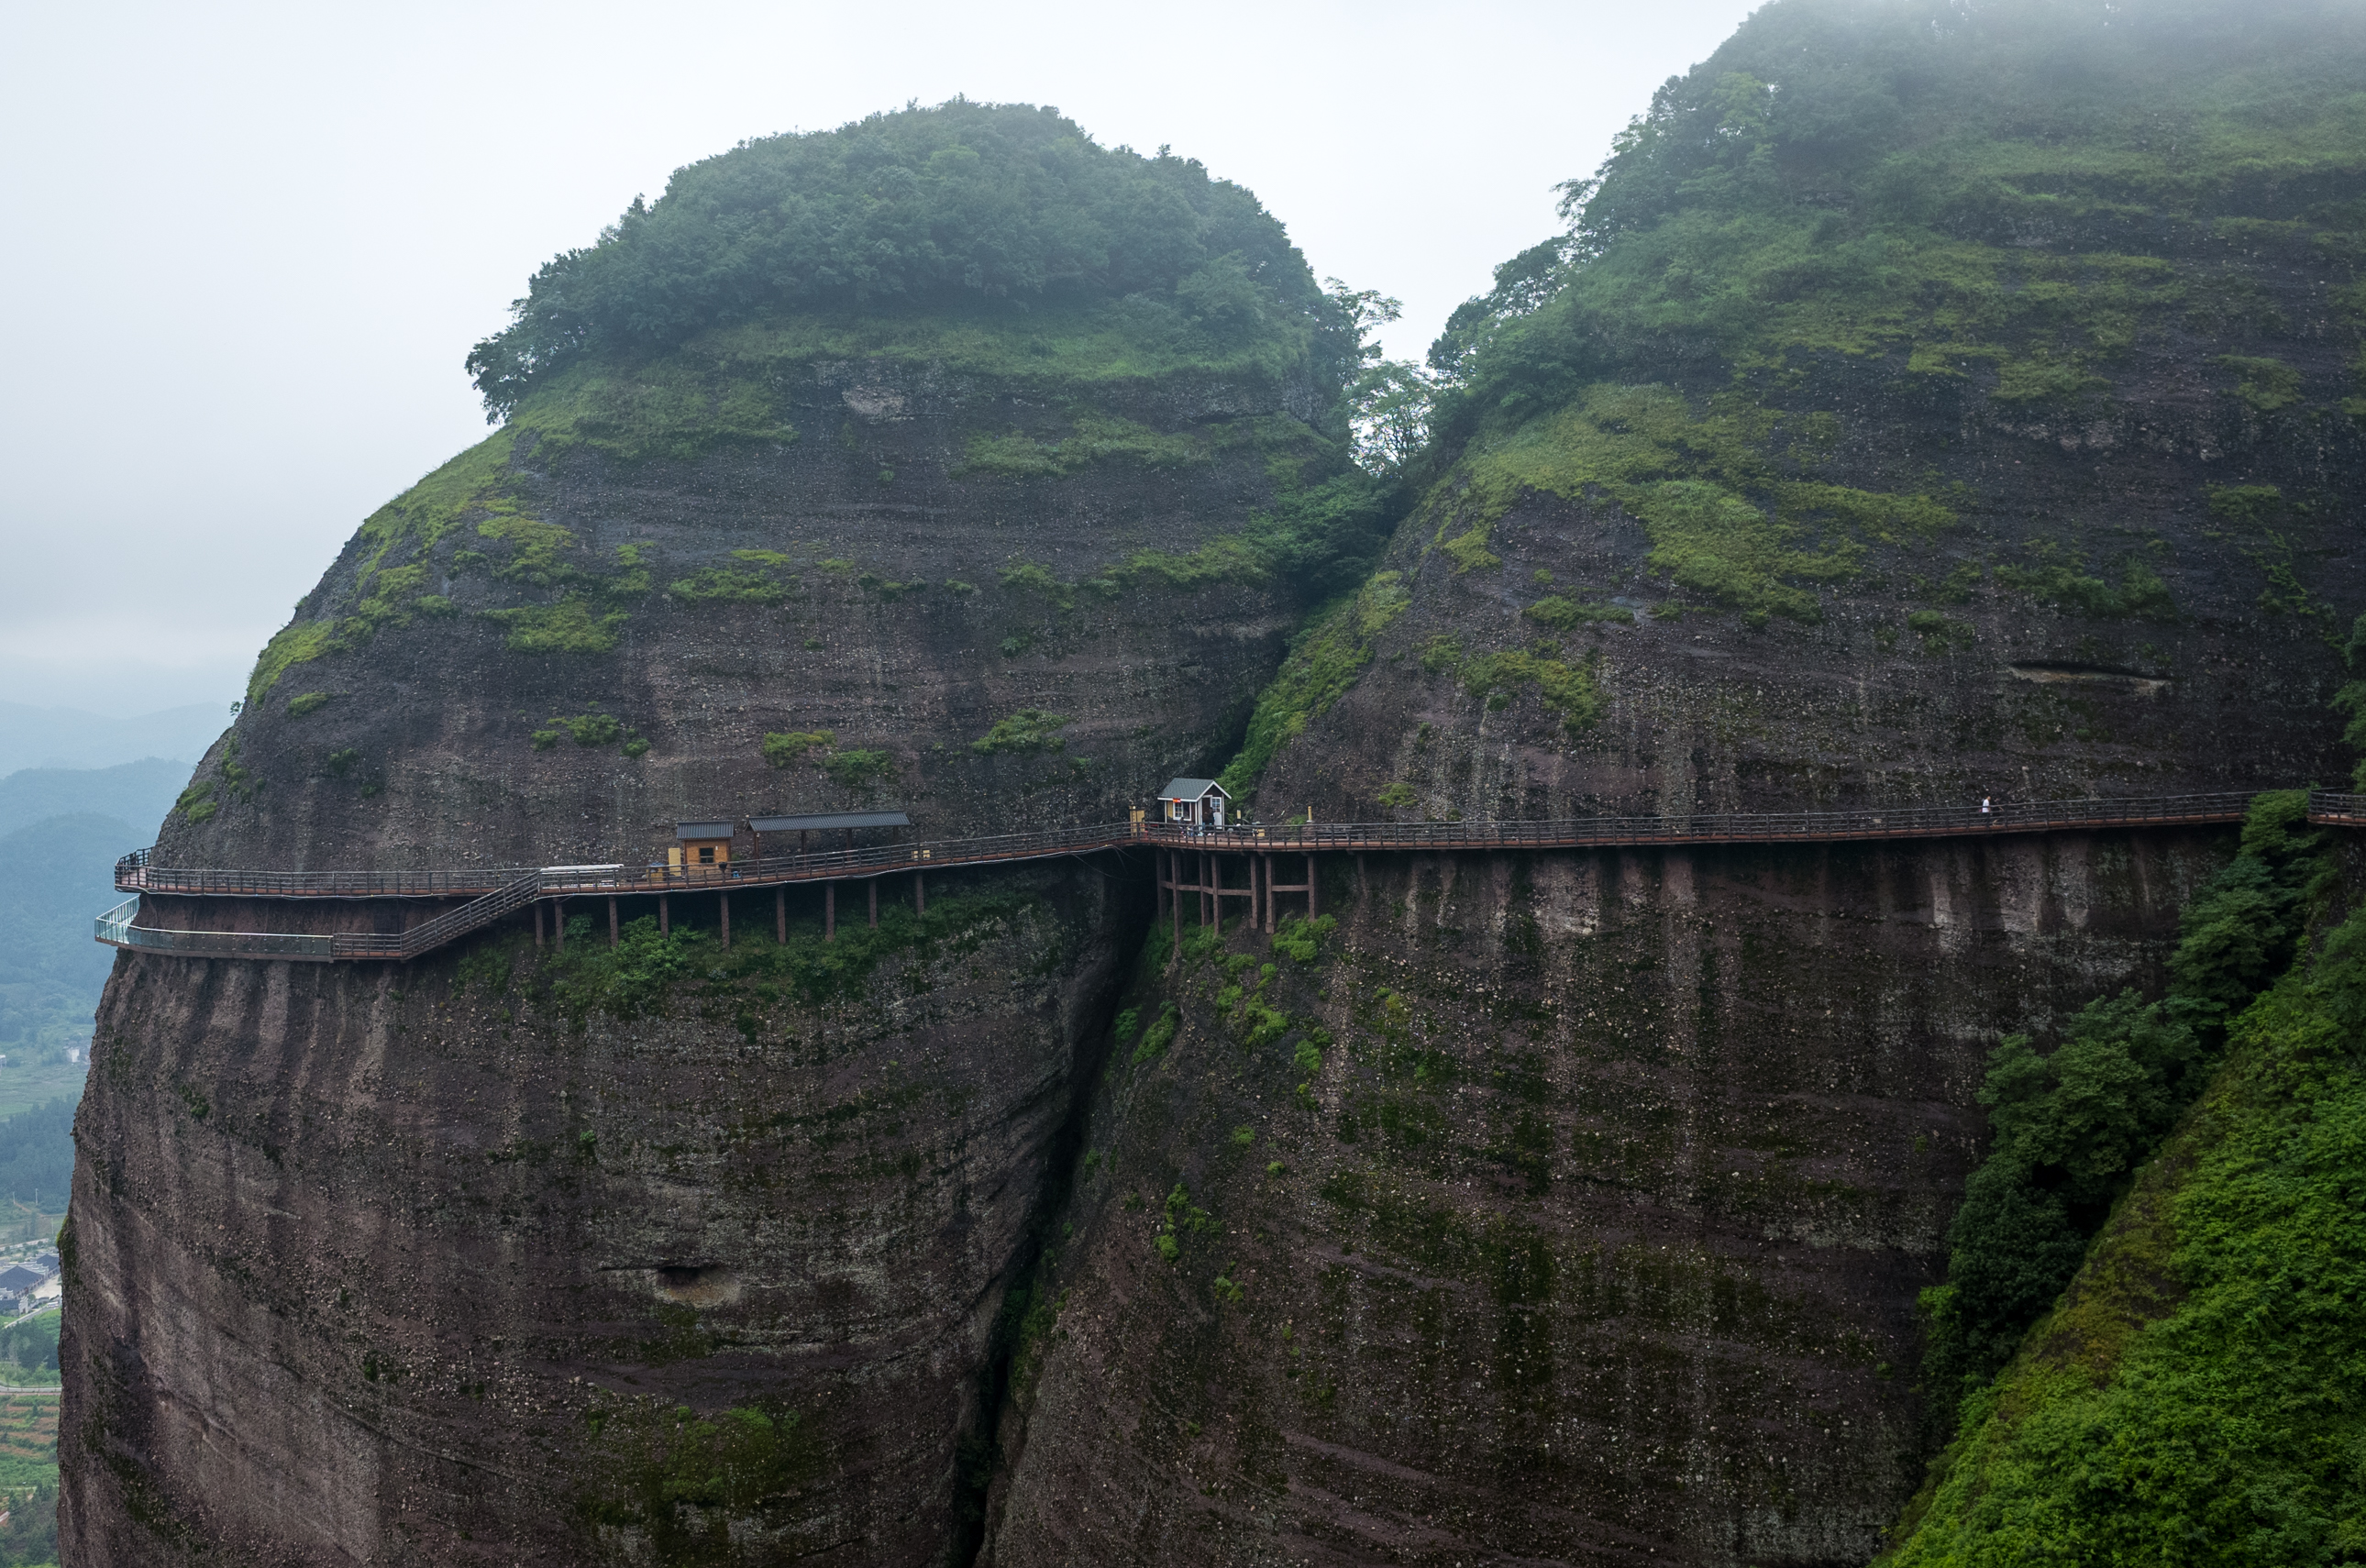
(1984, 805)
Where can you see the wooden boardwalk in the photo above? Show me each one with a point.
(493, 892)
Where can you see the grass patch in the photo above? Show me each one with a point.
(1024, 733)
(1324, 659)
(648, 972)
(1713, 491)
(1097, 438)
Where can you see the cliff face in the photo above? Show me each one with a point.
(1574, 1208)
(1564, 1207)
(522, 1255)
(590, 640)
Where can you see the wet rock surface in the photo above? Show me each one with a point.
(469, 1260)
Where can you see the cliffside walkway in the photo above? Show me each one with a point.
(495, 891)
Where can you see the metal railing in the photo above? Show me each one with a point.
(116, 930)
(2336, 808)
(135, 874)
(1732, 826)
(516, 887)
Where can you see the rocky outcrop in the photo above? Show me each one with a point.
(1574, 1212)
(1573, 1208)
(668, 1252)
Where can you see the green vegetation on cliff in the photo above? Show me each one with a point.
(2192, 1399)
(993, 244)
(2069, 1128)
(997, 209)
(1982, 189)
(2005, 197)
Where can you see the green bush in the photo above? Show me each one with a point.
(780, 749)
(860, 770)
(1027, 731)
(1159, 1036)
(308, 701)
(1566, 615)
(2067, 1128)
(2190, 1399)
(1299, 938)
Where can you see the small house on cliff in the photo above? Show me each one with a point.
(1195, 803)
(700, 845)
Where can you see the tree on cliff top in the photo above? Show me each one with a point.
(959, 207)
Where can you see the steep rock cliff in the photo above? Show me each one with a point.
(1927, 404)
(674, 1251)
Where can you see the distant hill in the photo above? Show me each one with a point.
(70, 737)
(137, 793)
(55, 875)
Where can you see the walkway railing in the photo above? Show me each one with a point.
(496, 892)
(116, 930)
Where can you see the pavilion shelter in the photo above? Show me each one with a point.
(844, 822)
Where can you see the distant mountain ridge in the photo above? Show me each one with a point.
(138, 793)
(73, 738)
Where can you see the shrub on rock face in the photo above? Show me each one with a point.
(1028, 730)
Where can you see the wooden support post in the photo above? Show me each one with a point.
(1265, 870)
(537, 922)
(723, 902)
(1207, 880)
(665, 921)
(1311, 910)
(1175, 903)
(1363, 878)
(874, 903)
(612, 919)
(919, 892)
(781, 916)
(558, 924)
(830, 911)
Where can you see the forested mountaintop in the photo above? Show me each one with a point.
(1993, 189)
(1007, 215)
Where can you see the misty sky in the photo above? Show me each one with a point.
(249, 244)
